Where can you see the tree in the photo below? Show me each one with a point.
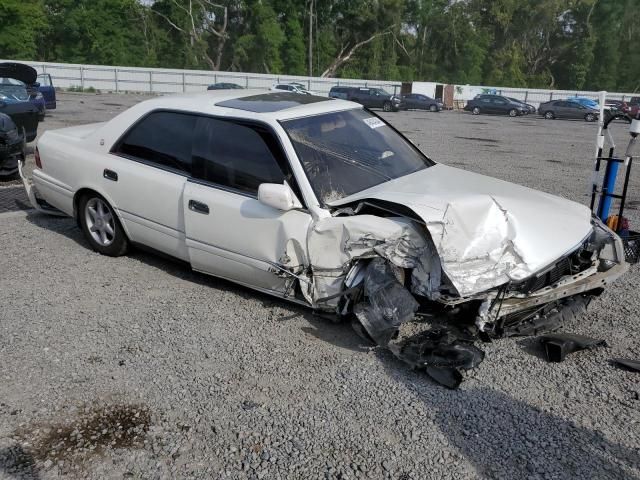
(23, 25)
(202, 24)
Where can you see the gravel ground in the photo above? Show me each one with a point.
(137, 367)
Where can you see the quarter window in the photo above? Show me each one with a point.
(161, 138)
(235, 155)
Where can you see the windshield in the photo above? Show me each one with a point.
(381, 91)
(343, 153)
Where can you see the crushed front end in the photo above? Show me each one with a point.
(388, 280)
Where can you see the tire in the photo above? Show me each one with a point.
(549, 115)
(433, 108)
(513, 112)
(386, 106)
(590, 117)
(101, 226)
(476, 111)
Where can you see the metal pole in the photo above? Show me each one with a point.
(115, 75)
(150, 81)
(82, 77)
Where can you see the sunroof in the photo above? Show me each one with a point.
(271, 102)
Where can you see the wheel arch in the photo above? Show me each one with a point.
(89, 190)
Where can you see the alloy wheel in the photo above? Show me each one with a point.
(100, 221)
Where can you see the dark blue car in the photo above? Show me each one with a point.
(16, 100)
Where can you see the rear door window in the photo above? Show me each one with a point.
(162, 139)
(236, 155)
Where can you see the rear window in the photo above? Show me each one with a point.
(161, 138)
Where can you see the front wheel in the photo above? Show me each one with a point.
(386, 106)
(101, 226)
(433, 108)
(590, 117)
(513, 112)
(476, 111)
(549, 115)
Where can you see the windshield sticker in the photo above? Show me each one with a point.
(373, 122)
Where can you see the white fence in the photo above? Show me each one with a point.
(162, 80)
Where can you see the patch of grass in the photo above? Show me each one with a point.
(78, 88)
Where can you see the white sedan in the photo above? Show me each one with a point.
(323, 203)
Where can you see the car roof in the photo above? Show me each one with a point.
(252, 104)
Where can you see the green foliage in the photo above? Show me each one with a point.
(571, 44)
(23, 24)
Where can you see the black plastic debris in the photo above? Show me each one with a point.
(627, 363)
(558, 345)
(441, 352)
(389, 303)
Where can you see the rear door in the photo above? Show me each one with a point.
(561, 109)
(145, 178)
(410, 101)
(575, 110)
(499, 105)
(485, 105)
(230, 233)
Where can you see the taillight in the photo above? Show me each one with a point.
(38, 162)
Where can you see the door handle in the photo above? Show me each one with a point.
(110, 175)
(199, 207)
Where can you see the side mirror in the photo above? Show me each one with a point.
(278, 196)
(36, 84)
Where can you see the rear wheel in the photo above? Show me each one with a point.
(386, 106)
(513, 112)
(476, 111)
(101, 226)
(590, 117)
(549, 115)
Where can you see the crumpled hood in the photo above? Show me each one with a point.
(486, 231)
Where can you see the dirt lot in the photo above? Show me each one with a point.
(137, 367)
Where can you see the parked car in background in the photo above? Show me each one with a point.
(375, 98)
(12, 146)
(340, 92)
(15, 100)
(567, 109)
(632, 111)
(16, 90)
(47, 89)
(224, 86)
(418, 101)
(293, 87)
(530, 108)
(585, 102)
(495, 104)
(616, 106)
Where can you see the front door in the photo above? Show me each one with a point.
(229, 233)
